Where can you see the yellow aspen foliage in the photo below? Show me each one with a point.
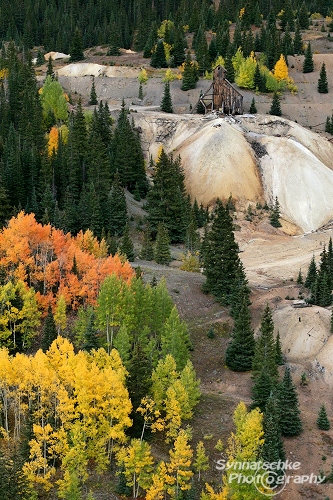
(53, 141)
(4, 74)
(138, 462)
(219, 61)
(180, 465)
(281, 69)
(245, 75)
(150, 415)
(143, 76)
(201, 460)
(241, 12)
(63, 132)
(173, 411)
(161, 480)
(169, 76)
(210, 494)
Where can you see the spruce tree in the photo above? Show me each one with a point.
(117, 207)
(167, 199)
(322, 421)
(158, 59)
(221, 260)
(114, 41)
(91, 339)
(274, 217)
(273, 447)
(49, 70)
(50, 330)
(253, 108)
(275, 108)
(262, 389)
(147, 249)
(308, 64)
(311, 276)
(303, 17)
(77, 46)
(290, 422)
(279, 354)
(297, 41)
(189, 80)
(240, 350)
(228, 65)
(126, 245)
(166, 104)
(322, 81)
(93, 96)
(162, 252)
(265, 350)
(300, 280)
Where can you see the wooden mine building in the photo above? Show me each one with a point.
(222, 95)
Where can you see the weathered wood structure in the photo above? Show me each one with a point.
(222, 95)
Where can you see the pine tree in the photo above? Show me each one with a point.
(49, 70)
(158, 59)
(279, 354)
(240, 350)
(189, 80)
(275, 108)
(253, 108)
(93, 96)
(322, 81)
(265, 350)
(274, 217)
(221, 260)
(126, 245)
(147, 249)
(167, 199)
(50, 330)
(303, 17)
(290, 422)
(77, 46)
(322, 421)
(308, 64)
(273, 447)
(166, 104)
(311, 276)
(162, 252)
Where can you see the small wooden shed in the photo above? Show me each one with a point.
(222, 95)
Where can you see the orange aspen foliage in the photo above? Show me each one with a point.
(52, 145)
(42, 257)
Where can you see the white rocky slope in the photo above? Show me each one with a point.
(253, 157)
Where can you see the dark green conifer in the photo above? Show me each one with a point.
(93, 96)
(91, 340)
(178, 52)
(290, 422)
(77, 46)
(322, 81)
(303, 17)
(328, 125)
(300, 280)
(118, 216)
(322, 421)
(162, 252)
(49, 70)
(114, 41)
(253, 108)
(272, 451)
(200, 108)
(262, 389)
(274, 217)
(190, 79)
(275, 108)
(228, 64)
(126, 245)
(265, 350)
(50, 330)
(240, 350)
(166, 104)
(297, 41)
(221, 260)
(308, 64)
(158, 59)
(312, 274)
(40, 60)
(147, 249)
(279, 354)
